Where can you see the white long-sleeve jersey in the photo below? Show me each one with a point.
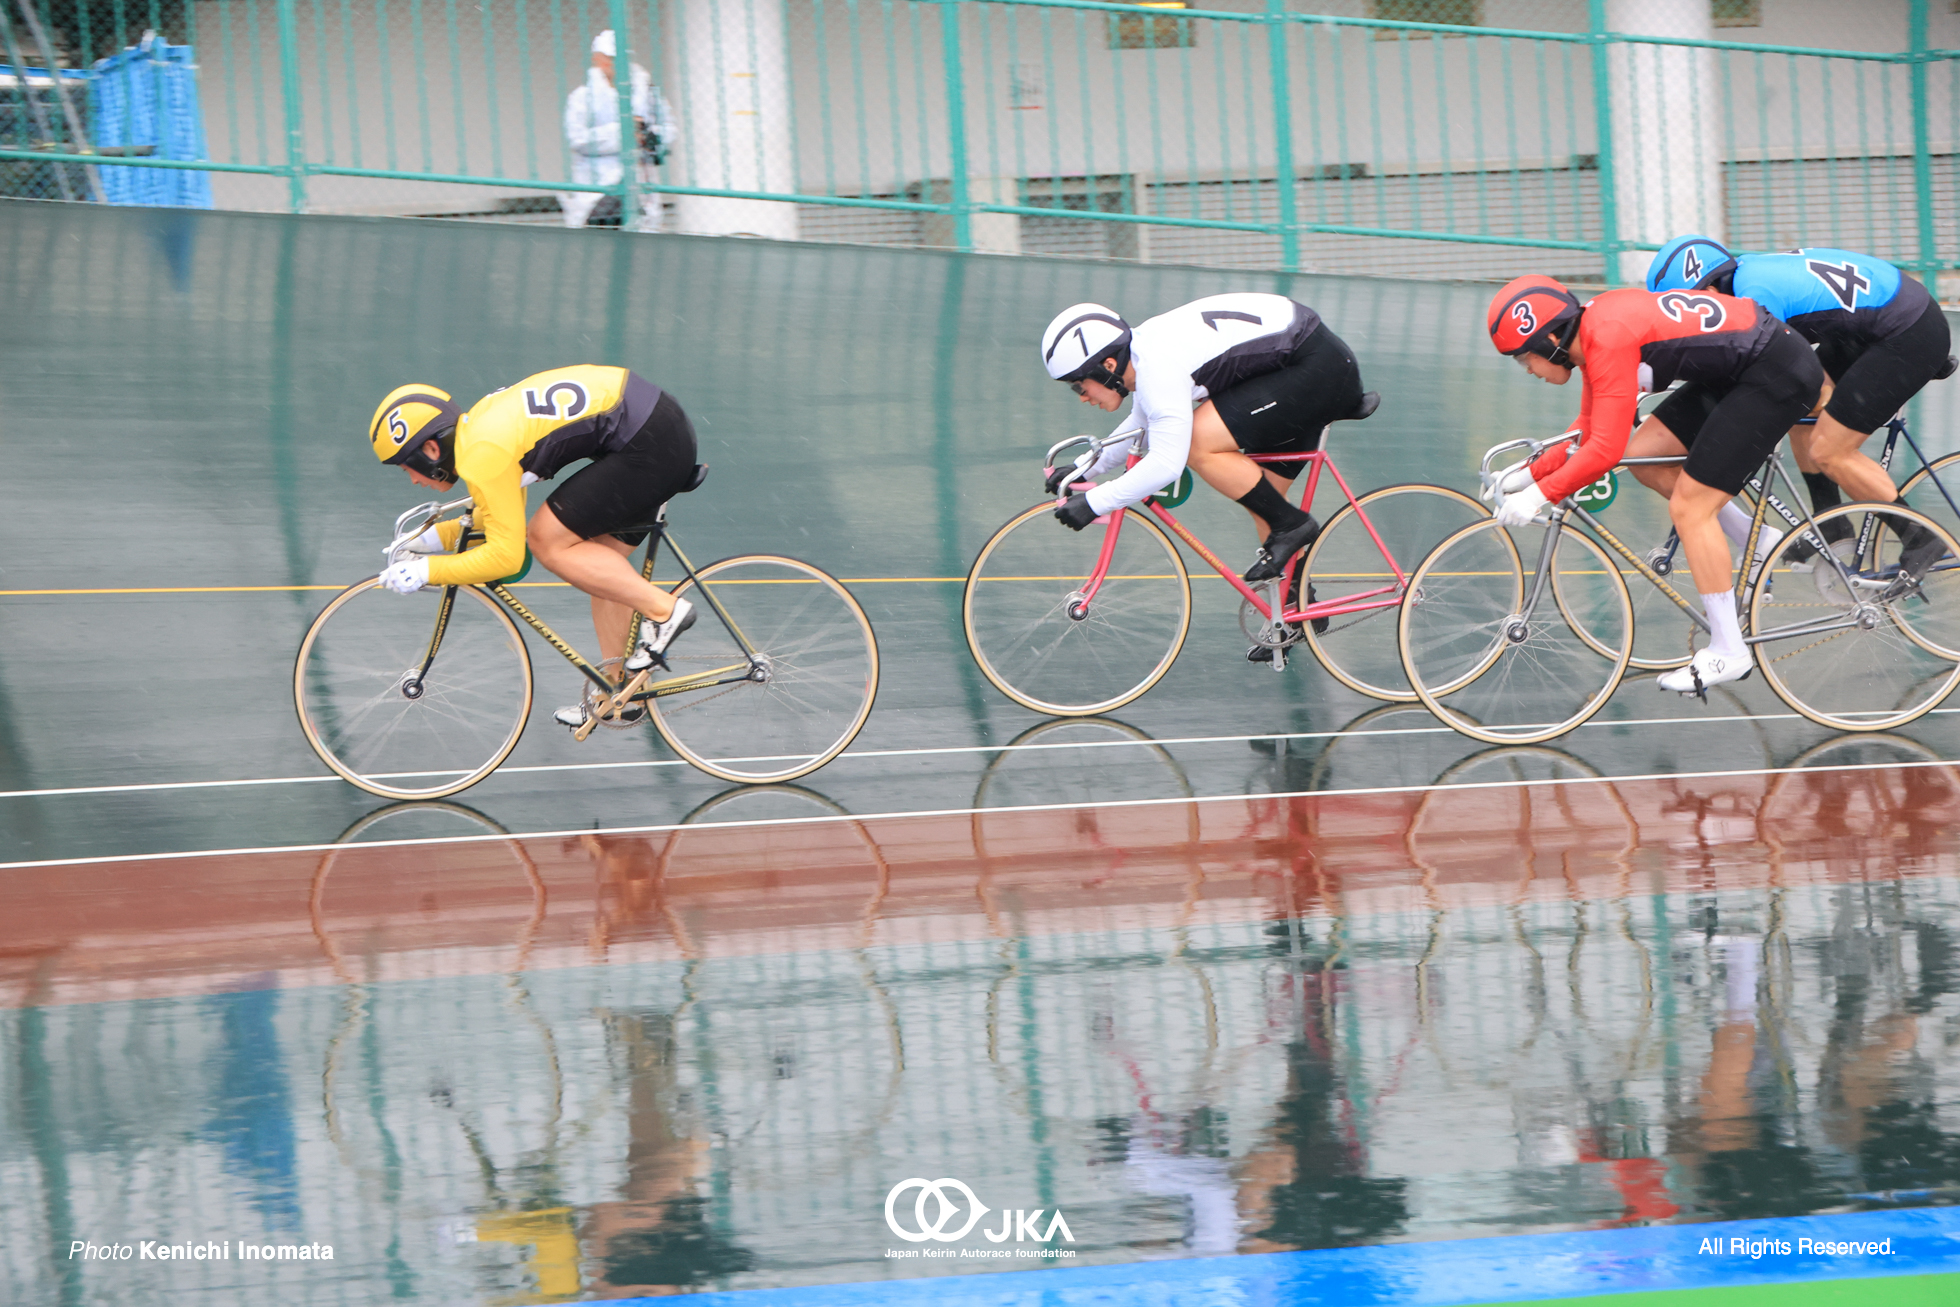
(1182, 358)
(592, 124)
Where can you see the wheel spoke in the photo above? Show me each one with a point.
(1019, 626)
(820, 661)
(474, 700)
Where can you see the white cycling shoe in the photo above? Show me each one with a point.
(574, 715)
(1705, 671)
(656, 636)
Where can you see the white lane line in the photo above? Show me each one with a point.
(858, 754)
(832, 819)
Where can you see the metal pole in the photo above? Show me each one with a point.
(82, 145)
(1284, 180)
(962, 201)
(34, 109)
(289, 78)
(1922, 159)
(629, 135)
(1609, 217)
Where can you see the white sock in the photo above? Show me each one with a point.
(1735, 523)
(1725, 632)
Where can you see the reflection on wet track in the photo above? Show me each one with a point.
(516, 1069)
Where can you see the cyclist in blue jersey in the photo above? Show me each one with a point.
(1879, 334)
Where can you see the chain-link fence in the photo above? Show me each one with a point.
(1422, 137)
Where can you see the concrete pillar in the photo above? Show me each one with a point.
(993, 233)
(1665, 140)
(734, 117)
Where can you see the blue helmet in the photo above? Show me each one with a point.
(1689, 263)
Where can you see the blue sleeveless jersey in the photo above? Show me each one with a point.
(1854, 298)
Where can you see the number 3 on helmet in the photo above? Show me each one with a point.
(410, 416)
(1534, 315)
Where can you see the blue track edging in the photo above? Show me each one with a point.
(1452, 1273)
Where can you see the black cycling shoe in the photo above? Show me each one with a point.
(1280, 546)
(1261, 653)
(1921, 550)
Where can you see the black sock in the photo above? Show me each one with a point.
(1823, 491)
(1271, 506)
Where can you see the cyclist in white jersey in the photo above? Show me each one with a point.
(1213, 380)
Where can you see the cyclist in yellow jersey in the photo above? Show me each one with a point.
(642, 449)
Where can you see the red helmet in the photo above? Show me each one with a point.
(1534, 315)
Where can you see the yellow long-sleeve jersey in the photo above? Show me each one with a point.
(538, 426)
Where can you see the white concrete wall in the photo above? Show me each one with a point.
(1045, 96)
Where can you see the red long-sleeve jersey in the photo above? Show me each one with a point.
(1635, 340)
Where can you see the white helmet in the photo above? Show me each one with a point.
(1080, 338)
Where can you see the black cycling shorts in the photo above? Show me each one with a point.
(1286, 410)
(625, 489)
(1731, 427)
(1875, 381)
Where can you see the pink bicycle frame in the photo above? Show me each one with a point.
(1387, 596)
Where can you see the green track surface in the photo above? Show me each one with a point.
(1893, 1291)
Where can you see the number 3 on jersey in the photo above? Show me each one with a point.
(1843, 280)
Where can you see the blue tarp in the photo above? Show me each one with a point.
(147, 95)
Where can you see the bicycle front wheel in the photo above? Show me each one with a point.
(372, 719)
(1347, 564)
(774, 678)
(1048, 645)
(1847, 645)
(1498, 671)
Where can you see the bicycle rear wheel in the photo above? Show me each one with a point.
(1345, 563)
(1935, 491)
(1047, 650)
(1495, 672)
(1849, 648)
(370, 720)
(801, 699)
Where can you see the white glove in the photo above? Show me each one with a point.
(429, 542)
(1520, 506)
(407, 576)
(1508, 480)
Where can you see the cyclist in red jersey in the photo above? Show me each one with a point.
(1762, 375)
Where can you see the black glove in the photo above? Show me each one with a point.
(1076, 513)
(1056, 475)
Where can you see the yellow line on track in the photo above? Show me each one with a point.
(521, 585)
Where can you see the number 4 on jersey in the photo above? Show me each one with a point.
(1843, 280)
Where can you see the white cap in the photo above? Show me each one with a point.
(603, 44)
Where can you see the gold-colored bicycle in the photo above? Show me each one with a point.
(419, 696)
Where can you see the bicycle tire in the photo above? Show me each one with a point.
(1924, 493)
(348, 689)
(1358, 649)
(818, 671)
(1492, 685)
(1015, 611)
(1940, 584)
(1664, 637)
(1839, 647)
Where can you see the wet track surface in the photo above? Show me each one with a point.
(1256, 964)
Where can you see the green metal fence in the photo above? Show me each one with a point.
(1241, 134)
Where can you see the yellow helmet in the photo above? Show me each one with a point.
(409, 416)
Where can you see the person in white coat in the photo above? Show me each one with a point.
(593, 138)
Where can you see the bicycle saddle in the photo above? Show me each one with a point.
(1951, 366)
(1370, 401)
(694, 481)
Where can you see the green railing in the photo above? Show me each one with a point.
(1254, 136)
